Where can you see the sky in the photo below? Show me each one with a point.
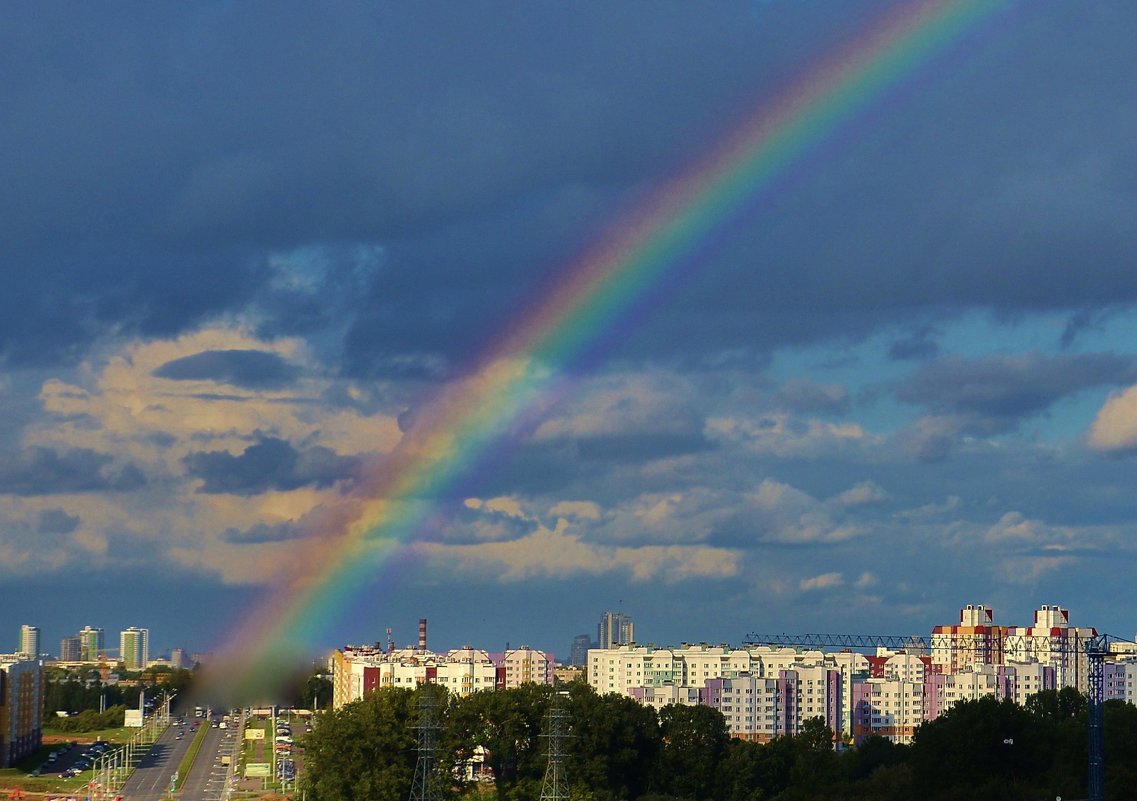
(245, 244)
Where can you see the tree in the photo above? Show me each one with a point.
(508, 725)
(815, 769)
(317, 692)
(694, 741)
(613, 745)
(985, 749)
(364, 751)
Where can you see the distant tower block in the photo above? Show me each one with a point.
(615, 629)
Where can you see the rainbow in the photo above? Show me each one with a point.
(513, 378)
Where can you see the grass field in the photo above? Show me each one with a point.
(17, 777)
(119, 735)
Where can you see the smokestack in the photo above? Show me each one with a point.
(390, 641)
(422, 634)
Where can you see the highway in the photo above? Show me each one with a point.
(150, 781)
(207, 777)
(206, 780)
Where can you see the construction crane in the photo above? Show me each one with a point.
(1095, 647)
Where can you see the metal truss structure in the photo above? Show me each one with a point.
(555, 786)
(425, 785)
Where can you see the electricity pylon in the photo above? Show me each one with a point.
(555, 787)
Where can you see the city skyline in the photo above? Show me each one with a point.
(765, 314)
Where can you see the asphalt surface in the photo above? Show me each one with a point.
(151, 781)
(207, 778)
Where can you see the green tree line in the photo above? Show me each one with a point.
(620, 750)
(79, 692)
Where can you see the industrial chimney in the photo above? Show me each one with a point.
(422, 634)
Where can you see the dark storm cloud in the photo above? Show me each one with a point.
(252, 369)
(810, 397)
(261, 533)
(154, 169)
(149, 175)
(1009, 387)
(640, 447)
(43, 471)
(56, 521)
(270, 464)
(916, 345)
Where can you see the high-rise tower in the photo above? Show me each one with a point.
(615, 629)
(29, 641)
(134, 648)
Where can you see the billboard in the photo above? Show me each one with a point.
(254, 734)
(133, 719)
(258, 769)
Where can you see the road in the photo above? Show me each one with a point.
(206, 779)
(150, 781)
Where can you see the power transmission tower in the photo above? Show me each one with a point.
(425, 784)
(555, 787)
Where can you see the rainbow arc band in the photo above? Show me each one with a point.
(518, 375)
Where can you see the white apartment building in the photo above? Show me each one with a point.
(1053, 641)
(524, 665)
(616, 670)
(358, 670)
(666, 695)
(696, 674)
(974, 640)
(1120, 680)
(888, 707)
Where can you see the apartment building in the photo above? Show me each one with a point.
(888, 707)
(358, 670)
(134, 648)
(974, 640)
(1051, 640)
(21, 705)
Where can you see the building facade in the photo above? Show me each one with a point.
(134, 648)
(21, 707)
(975, 640)
(578, 655)
(70, 649)
(359, 670)
(92, 644)
(765, 692)
(615, 628)
(1052, 641)
(29, 641)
